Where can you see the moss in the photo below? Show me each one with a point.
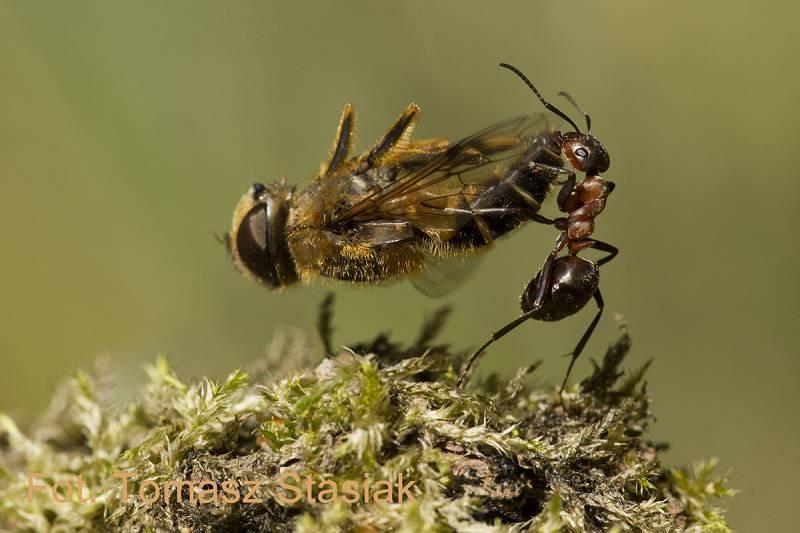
(499, 456)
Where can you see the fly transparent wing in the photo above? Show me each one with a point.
(437, 194)
(443, 275)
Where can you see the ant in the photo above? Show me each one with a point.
(566, 283)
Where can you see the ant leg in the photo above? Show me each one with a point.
(598, 298)
(578, 245)
(605, 247)
(565, 192)
(545, 276)
(497, 335)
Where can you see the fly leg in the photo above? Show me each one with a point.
(520, 192)
(533, 216)
(533, 165)
(545, 280)
(398, 134)
(501, 211)
(426, 147)
(343, 142)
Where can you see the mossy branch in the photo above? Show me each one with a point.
(500, 456)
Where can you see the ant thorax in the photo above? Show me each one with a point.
(586, 201)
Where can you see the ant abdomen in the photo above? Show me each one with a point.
(574, 282)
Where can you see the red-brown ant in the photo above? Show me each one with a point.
(565, 284)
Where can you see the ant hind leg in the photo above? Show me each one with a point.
(541, 291)
(598, 298)
(605, 247)
(497, 335)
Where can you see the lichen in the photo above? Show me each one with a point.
(499, 456)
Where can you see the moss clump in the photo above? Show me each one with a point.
(500, 456)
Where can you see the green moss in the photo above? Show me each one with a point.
(500, 456)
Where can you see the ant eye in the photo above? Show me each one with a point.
(582, 152)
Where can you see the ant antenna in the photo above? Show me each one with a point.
(577, 106)
(547, 104)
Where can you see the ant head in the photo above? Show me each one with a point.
(585, 152)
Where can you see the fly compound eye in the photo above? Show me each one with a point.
(258, 241)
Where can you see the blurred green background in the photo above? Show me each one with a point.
(129, 130)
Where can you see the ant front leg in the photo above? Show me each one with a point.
(566, 191)
(598, 298)
(545, 275)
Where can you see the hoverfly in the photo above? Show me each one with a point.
(401, 208)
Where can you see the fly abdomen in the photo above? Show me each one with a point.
(513, 200)
(525, 185)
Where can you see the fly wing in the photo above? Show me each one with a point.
(435, 196)
(443, 275)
